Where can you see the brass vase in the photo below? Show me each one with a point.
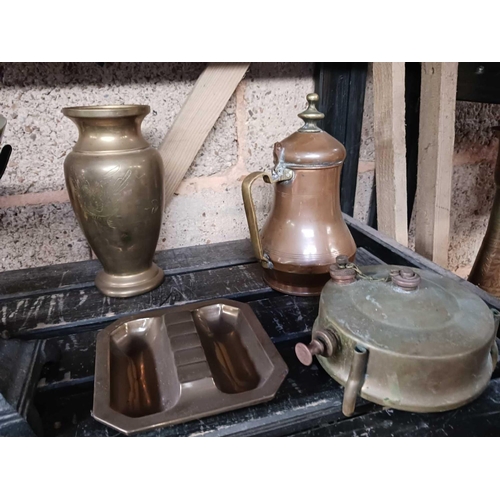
(485, 272)
(115, 183)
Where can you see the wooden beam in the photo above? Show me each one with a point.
(197, 117)
(341, 90)
(435, 160)
(390, 149)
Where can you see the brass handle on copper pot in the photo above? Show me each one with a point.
(246, 191)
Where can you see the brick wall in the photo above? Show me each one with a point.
(37, 225)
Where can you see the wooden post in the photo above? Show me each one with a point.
(390, 149)
(435, 160)
(197, 117)
(341, 90)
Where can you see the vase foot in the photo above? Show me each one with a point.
(129, 285)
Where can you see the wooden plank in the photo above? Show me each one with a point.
(308, 397)
(11, 423)
(21, 364)
(55, 278)
(391, 252)
(43, 315)
(412, 113)
(341, 89)
(480, 418)
(197, 117)
(65, 388)
(307, 394)
(435, 160)
(390, 149)
(283, 317)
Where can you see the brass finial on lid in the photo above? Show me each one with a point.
(311, 115)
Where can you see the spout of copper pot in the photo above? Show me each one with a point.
(355, 380)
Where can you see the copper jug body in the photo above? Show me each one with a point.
(485, 272)
(305, 230)
(115, 183)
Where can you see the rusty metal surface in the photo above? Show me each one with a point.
(428, 349)
(172, 366)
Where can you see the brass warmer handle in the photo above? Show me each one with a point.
(246, 191)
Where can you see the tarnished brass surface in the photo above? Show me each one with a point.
(305, 230)
(115, 184)
(485, 272)
(182, 363)
(429, 348)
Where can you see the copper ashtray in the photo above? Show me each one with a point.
(182, 363)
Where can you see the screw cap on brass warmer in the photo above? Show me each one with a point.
(339, 273)
(407, 279)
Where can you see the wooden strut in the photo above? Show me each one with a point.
(197, 117)
(435, 160)
(390, 149)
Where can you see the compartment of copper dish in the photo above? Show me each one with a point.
(183, 363)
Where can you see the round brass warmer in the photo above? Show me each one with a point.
(403, 338)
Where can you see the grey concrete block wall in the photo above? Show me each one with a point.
(37, 225)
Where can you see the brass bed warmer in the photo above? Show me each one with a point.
(403, 338)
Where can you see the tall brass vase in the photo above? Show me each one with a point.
(115, 184)
(486, 269)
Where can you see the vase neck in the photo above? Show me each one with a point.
(109, 134)
(108, 128)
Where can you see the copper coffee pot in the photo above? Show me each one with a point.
(305, 230)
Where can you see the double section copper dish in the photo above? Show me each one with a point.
(183, 363)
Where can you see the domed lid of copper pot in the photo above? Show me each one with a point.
(310, 145)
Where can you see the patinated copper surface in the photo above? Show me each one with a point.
(183, 363)
(485, 272)
(305, 230)
(404, 338)
(115, 184)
